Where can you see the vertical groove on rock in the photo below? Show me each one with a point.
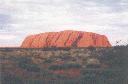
(59, 35)
(41, 35)
(67, 39)
(94, 39)
(77, 39)
(47, 40)
(39, 40)
(50, 37)
(42, 42)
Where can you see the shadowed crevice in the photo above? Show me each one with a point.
(58, 36)
(68, 38)
(77, 40)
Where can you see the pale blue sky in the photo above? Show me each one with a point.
(19, 18)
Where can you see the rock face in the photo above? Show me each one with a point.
(65, 39)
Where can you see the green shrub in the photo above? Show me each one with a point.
(25, 63)
(32, 81)
(64, 66)
(48, 61)
(91, 48)
(65, 56)
(109, 76)
(10, 79)
(29, 67)
(20, 59)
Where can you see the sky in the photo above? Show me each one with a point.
(20, 18)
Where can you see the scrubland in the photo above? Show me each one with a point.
(64, 65)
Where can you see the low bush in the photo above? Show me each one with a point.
(64, 66)
(47, 61)
(10, 79)
(25, 63)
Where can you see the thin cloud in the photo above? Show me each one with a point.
(7, 37)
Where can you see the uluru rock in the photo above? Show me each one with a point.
(65, 39)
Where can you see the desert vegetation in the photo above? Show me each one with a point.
(64, 65)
